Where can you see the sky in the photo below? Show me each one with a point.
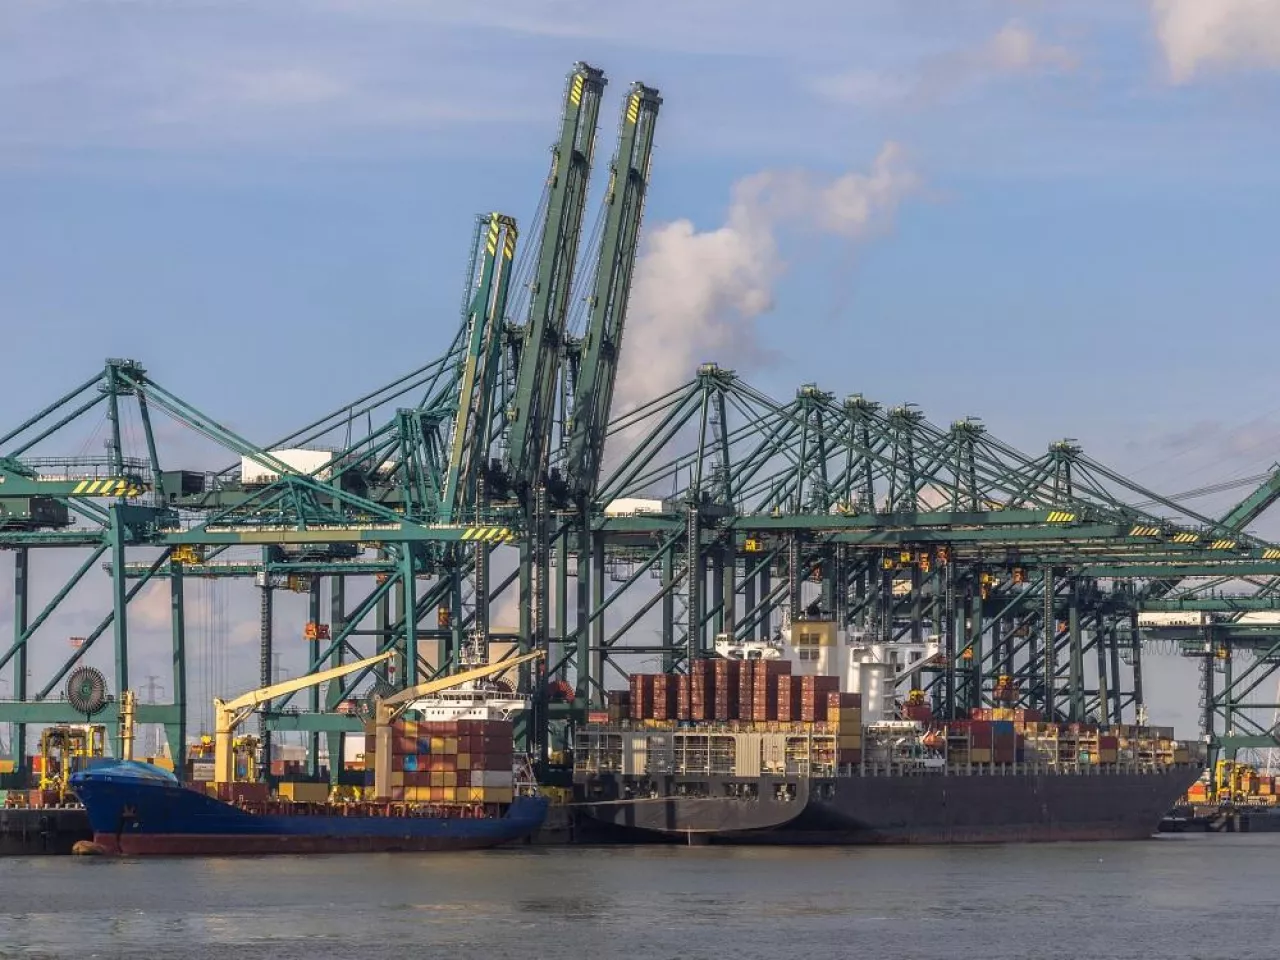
(1055, 216)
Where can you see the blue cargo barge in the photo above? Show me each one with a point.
(136, 809)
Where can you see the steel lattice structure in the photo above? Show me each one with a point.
(1032, 572)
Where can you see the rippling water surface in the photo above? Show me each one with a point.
(1186, 896)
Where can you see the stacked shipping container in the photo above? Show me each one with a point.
(750, 695)
(450, 761)
(720, 690)
(844, 713)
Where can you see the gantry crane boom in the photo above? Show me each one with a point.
(1235, 519)
(18, 479)
(598, 365)
(530, 424)
(229, 714)
(1253, 506)
(469, 444)
(387, 709)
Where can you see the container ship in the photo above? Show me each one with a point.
(138, 809)
(750, 749)
(448, 782)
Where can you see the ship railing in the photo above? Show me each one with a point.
(874, 768)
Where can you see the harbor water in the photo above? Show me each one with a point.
(1192, 896)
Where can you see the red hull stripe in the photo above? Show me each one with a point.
(239, 845)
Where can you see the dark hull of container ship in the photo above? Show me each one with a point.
(928, 809)
(140, 815)
(41, 831)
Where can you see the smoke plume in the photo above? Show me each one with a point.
(699, 293)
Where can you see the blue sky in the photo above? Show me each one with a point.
(1056, 216)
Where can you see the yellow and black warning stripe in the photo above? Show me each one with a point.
(488, 534)
(575, 90)
(1186, 537)
(491, 241)
(1222, 545)
(1060, 516)
(633, 108)
(110, 487)
(1141, 530)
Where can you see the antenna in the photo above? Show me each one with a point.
(153, 689)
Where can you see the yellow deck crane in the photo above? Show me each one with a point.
(230, 714)
(388, 709)
(64, 749)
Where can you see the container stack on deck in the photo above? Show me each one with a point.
(450, 761)
(722, 691)
(727, 716)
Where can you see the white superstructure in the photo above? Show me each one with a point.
(481, 700)
(866, 666)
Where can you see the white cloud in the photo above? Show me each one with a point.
(1198, 34)
(1014, 49)
(195, 75)
(698, 293)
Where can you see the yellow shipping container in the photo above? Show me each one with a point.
(450, 746)
(437, 778)
(7, 766)
(417, 794)
(397, 779)
(475, 794)
(450, 778)
(437, 745)
(464, 761)
(450, 795)
(980, 755)
(843, 714)
(304, 792)
(497, 794)
(410, 728)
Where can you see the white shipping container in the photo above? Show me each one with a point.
(630, 506)
(492, 778)
(303, 461)
(202, 772)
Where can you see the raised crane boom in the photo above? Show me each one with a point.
(469, 443)
(230, 714)
(601, 347)
(530, 421)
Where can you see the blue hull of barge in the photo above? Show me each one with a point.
(137, 810)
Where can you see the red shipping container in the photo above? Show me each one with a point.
(684, 706)
(746, 688)
(641, 696)
(790, 696)
(981, 734)
(814, 694)
(664, 697)
(617, 698)
(764, 697)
